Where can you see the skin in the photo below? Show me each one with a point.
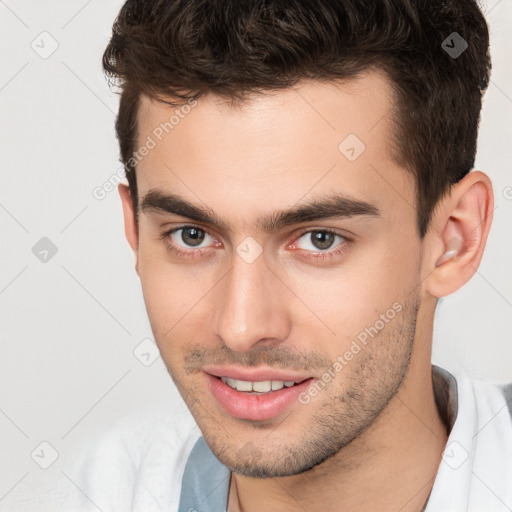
(373, 438)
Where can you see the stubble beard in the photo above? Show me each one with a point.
(344, 410)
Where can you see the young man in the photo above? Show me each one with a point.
(299, 196)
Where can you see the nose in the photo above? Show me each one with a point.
(251, 309)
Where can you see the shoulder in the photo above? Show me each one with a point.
(486, 406)
(492, 463)
(476, 468)
(473, 400)
(494, 399)
(138, 462)
(506, 390)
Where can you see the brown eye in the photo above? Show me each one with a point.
(322, 239)
(319, 240)
(192, 236)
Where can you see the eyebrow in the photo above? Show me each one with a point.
(331, 206)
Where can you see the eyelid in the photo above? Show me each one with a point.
(184, 249)
(301, 233)
(172, 230)
(332, 231)
(192, 253)
(313, 254)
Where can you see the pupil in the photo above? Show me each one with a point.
(192, 236)
(322, 240)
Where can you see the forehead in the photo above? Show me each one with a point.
(279, 147)
(355, 105)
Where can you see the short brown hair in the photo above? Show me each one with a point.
(231, 48)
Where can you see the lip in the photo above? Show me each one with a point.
(255, 374)
(255, 407)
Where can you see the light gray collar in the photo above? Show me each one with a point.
(205, 484)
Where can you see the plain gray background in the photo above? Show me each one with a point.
(73, 325)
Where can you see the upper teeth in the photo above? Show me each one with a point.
(261, 386)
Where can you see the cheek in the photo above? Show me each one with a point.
(177, 298)
(344, 300)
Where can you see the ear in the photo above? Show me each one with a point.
(130, 225)
(458, 234)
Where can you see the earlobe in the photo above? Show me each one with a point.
(130, 225)
(459, 234)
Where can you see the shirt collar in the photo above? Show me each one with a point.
(205, 484)
(456, 403)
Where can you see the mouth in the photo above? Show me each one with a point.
(256, 400)
(263, 387)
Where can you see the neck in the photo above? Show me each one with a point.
(390, 466)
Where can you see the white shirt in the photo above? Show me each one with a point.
(162, 463)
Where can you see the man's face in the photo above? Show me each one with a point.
(258, 296)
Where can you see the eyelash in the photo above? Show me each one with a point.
(198, 253)
(329, 254)
(193, 253)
